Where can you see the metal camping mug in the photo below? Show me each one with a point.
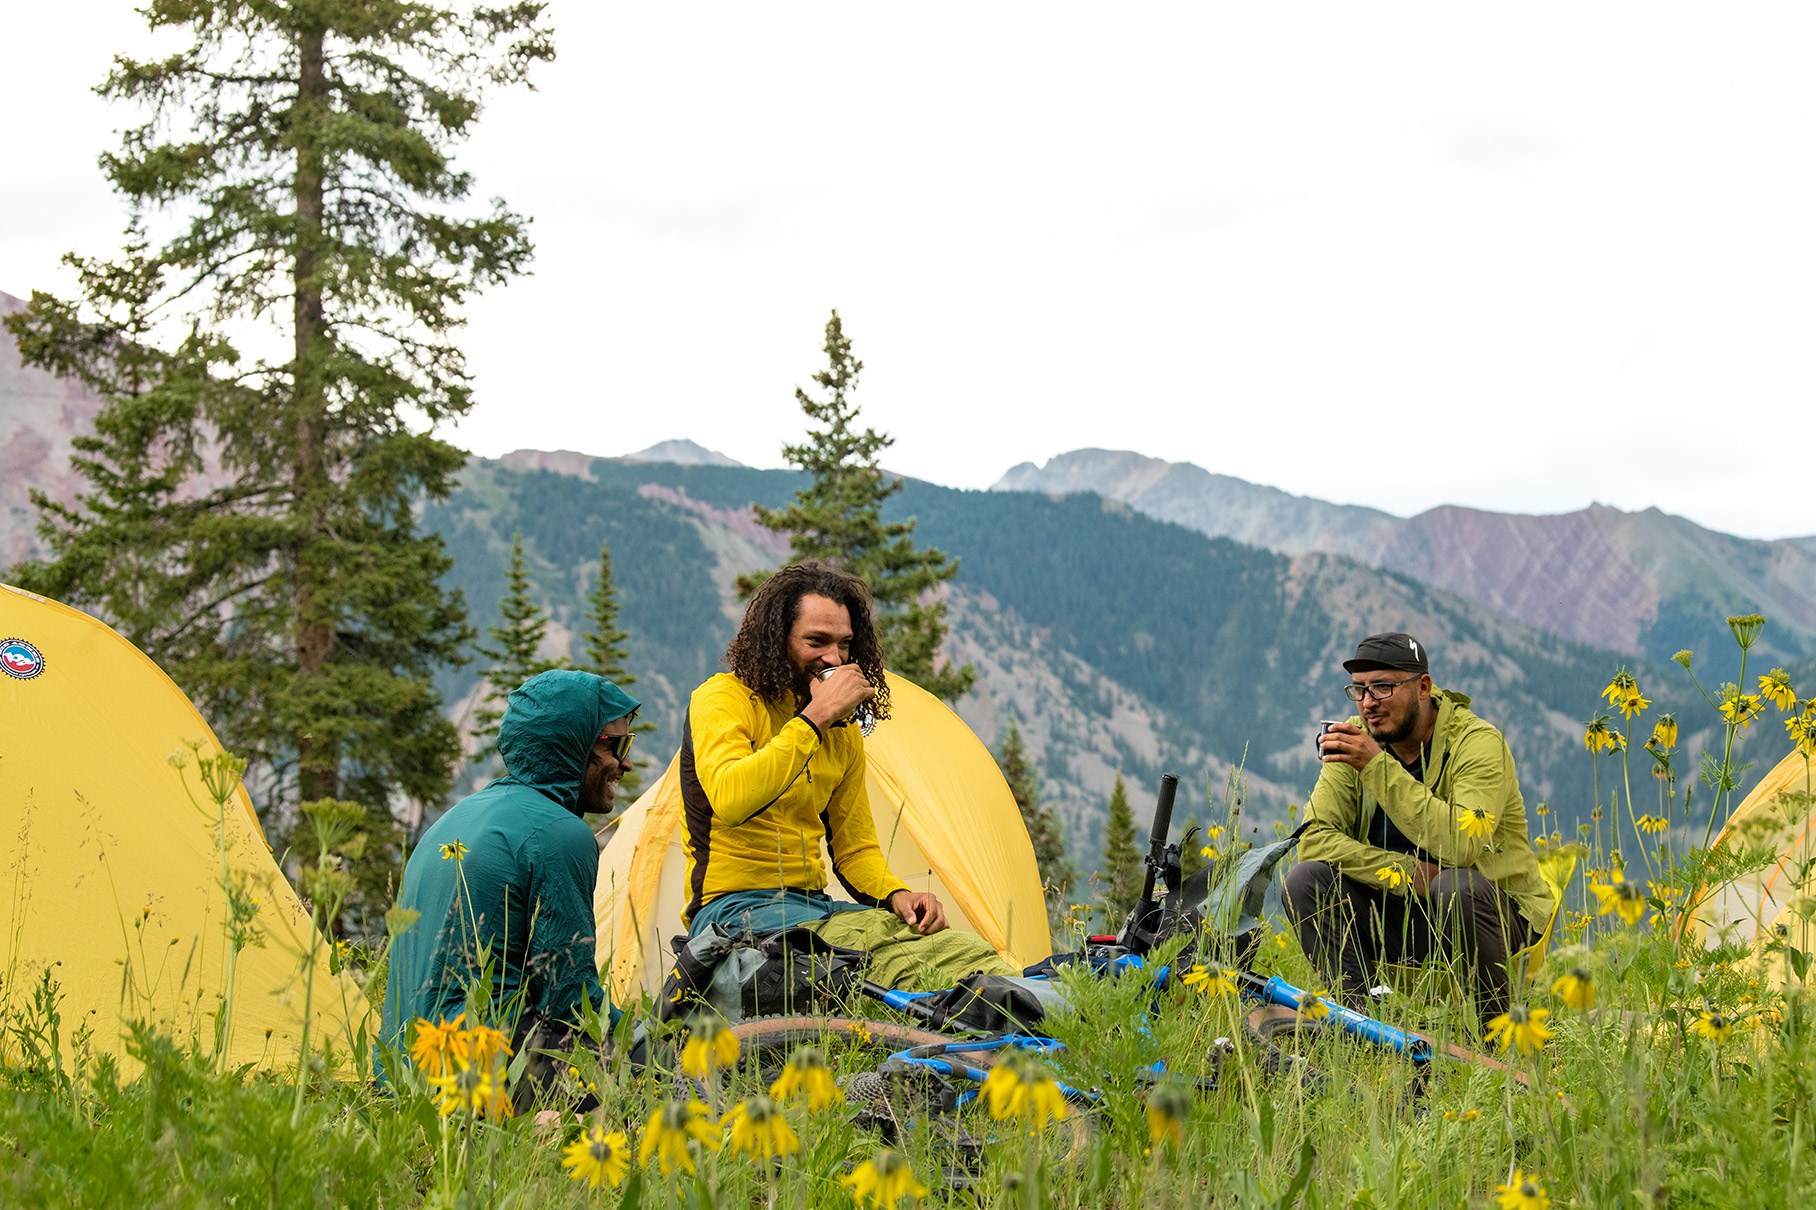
(864, 716)
(1324, 724)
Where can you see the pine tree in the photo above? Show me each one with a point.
(1122, 868)
(294, 165)
(605, 654)
(514, 656)
(838, 518)
(1043, 828)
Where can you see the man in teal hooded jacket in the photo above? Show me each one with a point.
(507, 875)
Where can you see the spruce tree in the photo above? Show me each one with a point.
(298, 251)
(1122, 868)
(514, 655)
(838, 518)
(605, 654)
(1043, 828)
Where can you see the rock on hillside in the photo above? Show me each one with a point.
(1644, 584)
(39, 415)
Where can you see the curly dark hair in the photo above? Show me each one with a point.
(758, 655)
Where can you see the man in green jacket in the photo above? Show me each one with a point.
(506, 877)
(1416, 840)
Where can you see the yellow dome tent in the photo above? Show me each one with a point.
(115, 863)
(1776, 823)
(944, 815)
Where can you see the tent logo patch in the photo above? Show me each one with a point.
(20, 660)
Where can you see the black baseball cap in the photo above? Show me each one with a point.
(1391, 650)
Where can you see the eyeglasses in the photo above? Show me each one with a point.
(1379, 690)
(618, 745)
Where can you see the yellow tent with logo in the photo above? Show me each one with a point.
(116, 864)
(944, 815)
(1774, 830)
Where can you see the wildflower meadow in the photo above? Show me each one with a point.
(1661, 1054)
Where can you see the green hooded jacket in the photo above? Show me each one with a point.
(1467, 767)
(521, 893)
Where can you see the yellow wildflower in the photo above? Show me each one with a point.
(1215, 834)
(759, 1130)
(1740, 709)
(1392, 877)
(481, 1045)
(1598, 737)
(1802, 730)
(1623, 694)
(1209, 853)
(1775, 687)
(671, 1133)
(597, 1158)
(1168, 1107)
(1575, 988)
(1664, 732)
(1211, 980)
(1653, 824)
(1619, 896)
(710, 1046)
(437, 1047)
(1019, 1089)
(1521, 1028)
(1717, 1027)
(1475, 822)
(806, 1075)
(1313, 1005)
(883, 1181)
(476, 1090)
(452, 852)
(1467, 1115)
(1523, 1191)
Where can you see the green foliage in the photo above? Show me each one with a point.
(1043, 828)
(605, 654)
(838, 518)
(515, 655)
(291, 188)
(1122, 864)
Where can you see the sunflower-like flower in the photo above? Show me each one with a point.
(453, 851)
(806, 1075)
(1652, 824)
(437, 1048)
(1392, 877)
(482, 1045)
(1740, 709)
(759, 1130)
(1168, 1107)
(1775, 687)
(1599, 737)
(1313, 1005)
(1523, 1191)
(1576, 988)
(1211, 980)
(882, 1181)
(597, 1157)
(1521, 1028)
(671, 1134)
(1024, 1091)
(710, 1046)
(1623, 694)
(1664, 732)
(1802, 730)
(1476, 822)
(1621, 897)
(1715, 1026)
(476, 1090)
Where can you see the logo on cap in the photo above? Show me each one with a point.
(20, 660)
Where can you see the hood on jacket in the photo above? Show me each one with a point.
(548, 729)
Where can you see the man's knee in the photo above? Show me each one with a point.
(1307, 887)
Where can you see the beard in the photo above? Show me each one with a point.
(598, 790)
(1392, 733)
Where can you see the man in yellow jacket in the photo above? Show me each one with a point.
(772, 765)
(1415, 844)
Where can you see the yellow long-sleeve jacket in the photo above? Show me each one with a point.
(761, 787)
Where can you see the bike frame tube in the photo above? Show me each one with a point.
(1276, 990)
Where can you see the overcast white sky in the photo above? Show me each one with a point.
(1519, 258)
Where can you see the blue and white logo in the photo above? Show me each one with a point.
(20, 660)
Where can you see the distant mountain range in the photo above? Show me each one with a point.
(1643, 584)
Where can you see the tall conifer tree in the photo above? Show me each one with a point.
(298, 251)
(515, 649)
(1043, 828)
(838, 518)
(1122, 869)
(605, 654)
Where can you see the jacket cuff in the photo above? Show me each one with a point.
(817, 733)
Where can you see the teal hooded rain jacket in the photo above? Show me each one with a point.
(521, 892)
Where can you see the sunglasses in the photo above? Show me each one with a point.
(618, 745)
